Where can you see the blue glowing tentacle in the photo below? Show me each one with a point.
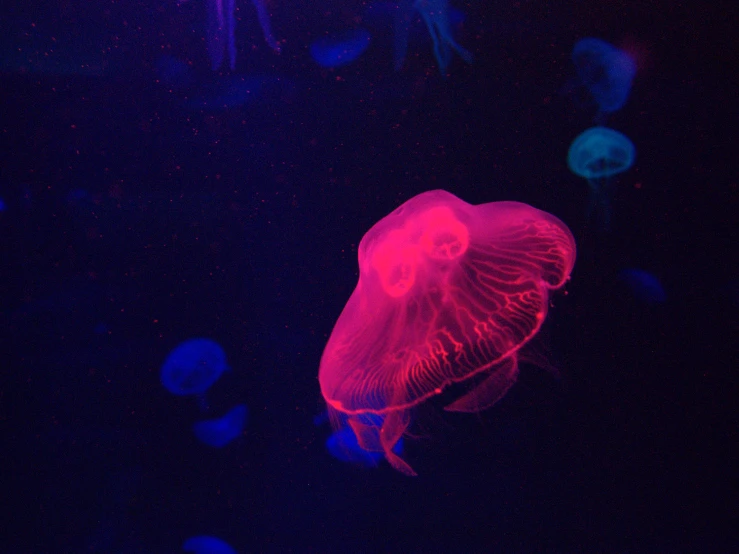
(264, 22)
(435, 15)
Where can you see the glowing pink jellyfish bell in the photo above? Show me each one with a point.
(447, 291)
(192, 367)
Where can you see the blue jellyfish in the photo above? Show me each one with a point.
(643, 285)
(597, 155)
(222, 430)
(192, 367)
(204, 544)
(221, 29)
(605, 71)
(340, 50)
(344, 445)
(435, 14)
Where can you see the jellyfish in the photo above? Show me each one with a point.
(448, 293)
(220, 431)
(204, 544)
(435, 14)
(340, 50)
(343, 445)
(597, 155)
(605, 71)
(192, 367)
(221, 29)
(643, 285)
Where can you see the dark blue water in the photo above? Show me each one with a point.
(147, 200)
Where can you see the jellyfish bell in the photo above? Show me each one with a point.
(597, 155)
(605, 71)
(447, 291)
(206, 544)
(218, 432)
(340, 49)
(192, 367)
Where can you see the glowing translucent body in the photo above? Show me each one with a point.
(596, 155)
(220, 431)
(221, 29)
(204, 544)
(340, 50)
(605, 71)
(435, 14)
(446, 291)
(193, 367)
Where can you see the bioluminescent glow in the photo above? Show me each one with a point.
(447, 292)
(220, 431)
(596, 155)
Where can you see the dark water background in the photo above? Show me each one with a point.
(135, 220)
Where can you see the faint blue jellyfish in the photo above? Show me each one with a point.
(236, 91)
(605, 71)
(643, 285)
(221, 30)
(344, 446)
(341, 49)
(192, 367)
(220, 431)
(204, 544)
(173, 73)
(435, 14)
(597, 155)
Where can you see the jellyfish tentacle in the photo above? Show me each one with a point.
(435, 14)
(263, 17)
(493, 388)
(392, 430)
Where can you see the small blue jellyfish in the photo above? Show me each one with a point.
(435, 14)
(597, 155)
(340, 50)
(193, 366)
(643, 285)
(204, 544)
(344, 446)
(222, 430)
(605, 71)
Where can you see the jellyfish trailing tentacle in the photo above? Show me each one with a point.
(263, 17)
(435, 14)
(221, 30)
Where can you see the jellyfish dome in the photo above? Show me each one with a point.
(600, 152)
(193, 366)
(220, 431)
(447, 293)
(605, 71)
(342, 49)
(205, 544)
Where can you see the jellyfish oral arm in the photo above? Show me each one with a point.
(264, 23)
(221, 29)
(435, 15)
